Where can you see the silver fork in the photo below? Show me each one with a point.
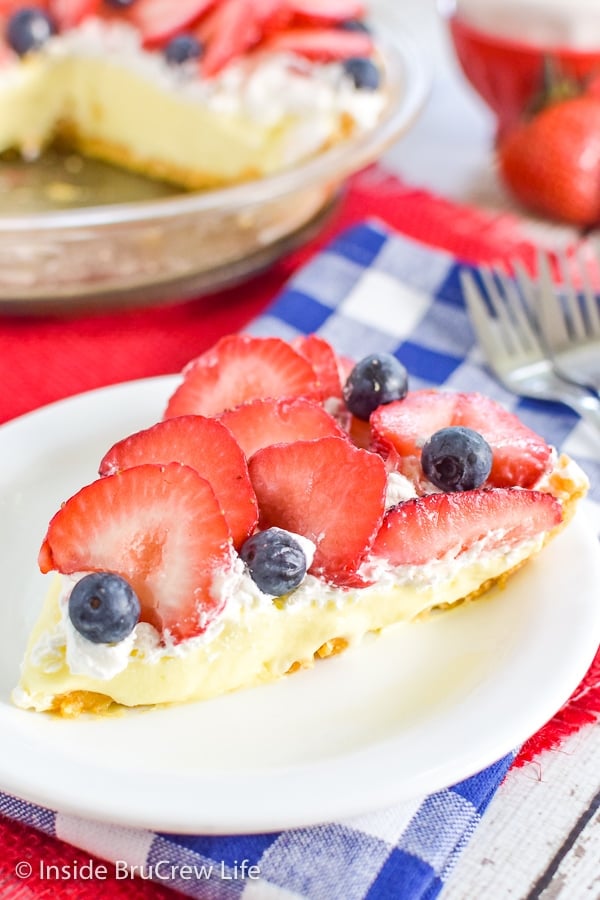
(568, 318)
(513, 349)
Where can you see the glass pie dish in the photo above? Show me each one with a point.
(75, 234)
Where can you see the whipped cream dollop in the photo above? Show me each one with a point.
(545, 23)
(398, 488)
(83, 657)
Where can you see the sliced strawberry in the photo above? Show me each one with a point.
(326, 10)
(327, 490)
(235, 26)
(402, 427)
(324, 361)
(240, 368)
(68, 13)
(159, 20)
(209, 448)
(446, 525)
(520, 456)
(271, 15)
(8, 7)
(321, 44)
(230, 30)
(260, 423)
(160, 528)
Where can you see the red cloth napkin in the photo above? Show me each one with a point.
(47, 358)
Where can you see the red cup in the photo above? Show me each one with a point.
(510, 74)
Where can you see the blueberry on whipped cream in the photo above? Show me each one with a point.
(103, 608)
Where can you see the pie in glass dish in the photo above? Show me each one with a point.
(199, 93)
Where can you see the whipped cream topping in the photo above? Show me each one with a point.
(544, 23)
(398, 489)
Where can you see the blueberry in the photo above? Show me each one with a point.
(355, 25)
(181, 48)
(28, 29)
(375, 380)
(275, 560)
(456, 459)
(103, 608)
(363, 72)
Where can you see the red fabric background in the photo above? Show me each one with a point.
(45, 359)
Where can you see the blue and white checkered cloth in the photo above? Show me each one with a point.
(369, 290)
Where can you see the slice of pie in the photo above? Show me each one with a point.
(195, 92)
(285, 505)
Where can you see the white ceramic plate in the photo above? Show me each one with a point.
(407, 713)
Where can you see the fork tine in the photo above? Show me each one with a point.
(529, 374)
(571, 299)
(589, 300)
(529, 290)
(515, 302)
(497, 298)
(480, 318)
(550, 314)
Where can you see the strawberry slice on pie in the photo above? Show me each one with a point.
(241, 368)
(159, 20)
(328, 491)
(260, 423)
(209, 448)
(520, 456)
(322, 44)
(68, 13)
(444, 525)
(160, 528)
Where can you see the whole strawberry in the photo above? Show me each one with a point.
(551, 163)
